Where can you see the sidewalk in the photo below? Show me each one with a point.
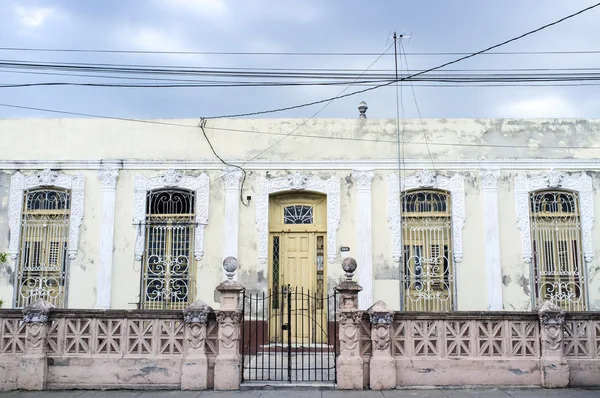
(279, 393)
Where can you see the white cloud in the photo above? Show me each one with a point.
(33, 17)
(550, 106)
(148, 39)
(209, 8)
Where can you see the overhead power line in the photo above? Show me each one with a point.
(414, 74)
(302, 54)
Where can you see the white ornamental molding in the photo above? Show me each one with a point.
(171, 179)
(231, 183)
(427, 179)
(298, 182)
(555, 179)
(491, 232)
(45, 179)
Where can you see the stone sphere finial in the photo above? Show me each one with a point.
(362, 108)
(230, 265)
(349, 266)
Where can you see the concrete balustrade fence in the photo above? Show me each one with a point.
(199, 348)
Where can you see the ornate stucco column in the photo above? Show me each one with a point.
(349, 362)
(231, 183)
(194, 367)
(108, 179)
(228, 363)
(382, 368)
(493, 270)
(33, 369)
(554, 367)
(364, 250)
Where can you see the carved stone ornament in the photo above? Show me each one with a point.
(46, 177)
(19, 183)
(350, 316)
(426, 179)
(108, 178)
(582, 184)
(230, 265)
(349, 266)
(363, 179)
(489, 179)
(379, 313)
(554, 178)
(551, 314)
(268, 186)
(37, 312)
(380, 336)
(297, 181)
(35, 335)
(552, 318)
(197, 312)
(171, 179)
(197, 336)
(229, 329)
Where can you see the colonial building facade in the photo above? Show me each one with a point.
(477, 214)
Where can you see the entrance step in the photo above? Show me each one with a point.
(281, 385)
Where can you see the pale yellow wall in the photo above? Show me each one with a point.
(6, 270)
(471, 289)
(386, 285)
(75, 139)
(593, 269)
(83, 269)
(516, 274)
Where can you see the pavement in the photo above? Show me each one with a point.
(294, 393)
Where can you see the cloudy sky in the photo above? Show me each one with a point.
(284, 26)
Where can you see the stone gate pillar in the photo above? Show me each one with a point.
(382, 368)
(228, 364)
(349, 362)
(194, 367)
(554, 367)
(33, 369)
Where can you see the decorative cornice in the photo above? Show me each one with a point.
(171, 179)
(297, 181)
(581, 184)
(454, 185)
(337, 164)
(47, 178)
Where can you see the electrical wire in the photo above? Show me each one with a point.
(415, 74)
(417, 107)
(202, 124)
(312, 116)
(328, 54)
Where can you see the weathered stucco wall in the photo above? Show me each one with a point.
(106, 139)
(113, 139)
(7, 269)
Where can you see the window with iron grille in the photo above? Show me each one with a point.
(427, 244)
(42, 261)
(168, 273)
(557, 254)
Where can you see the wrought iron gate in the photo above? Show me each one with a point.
(289, 336)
